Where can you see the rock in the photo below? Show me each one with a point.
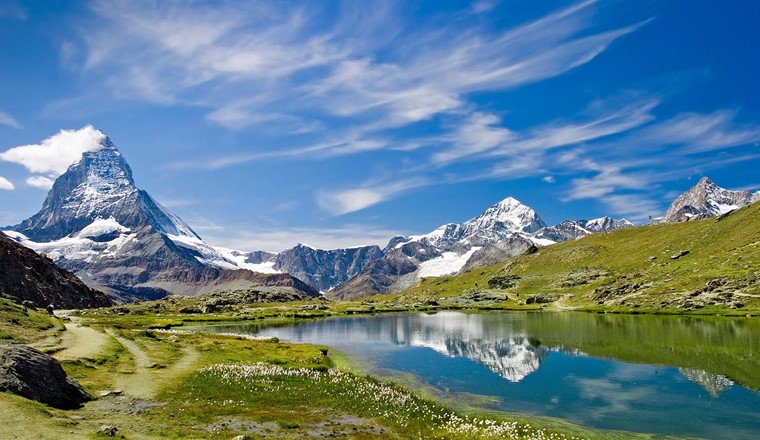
(242, 437)
(503, 281)
(110, 431)
(652, 258)
(541, 298)
(679, 255)
(35, 375)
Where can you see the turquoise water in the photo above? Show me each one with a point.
(667, 375)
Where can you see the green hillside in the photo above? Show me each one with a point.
(634, 269)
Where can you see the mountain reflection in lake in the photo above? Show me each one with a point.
(670, 375)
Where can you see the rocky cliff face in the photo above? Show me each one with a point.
(98, 224)
(28, 276)
(325, 269)
(706, 199)
(500, 251)
(575, 229)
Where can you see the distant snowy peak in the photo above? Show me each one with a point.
(509, 213)
(604, 224)
(706, 199)
(495, 223)
(574, 229)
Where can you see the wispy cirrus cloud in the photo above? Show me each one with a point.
(12, 10)
(311, 69)
(344, 201)
(7, 119)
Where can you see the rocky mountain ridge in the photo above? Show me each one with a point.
(706, 199)
(575, 229)
(29, 278)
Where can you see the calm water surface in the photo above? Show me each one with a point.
(668, 375)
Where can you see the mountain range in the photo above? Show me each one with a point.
(97, 223)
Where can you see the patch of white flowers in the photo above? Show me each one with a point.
(379, 398)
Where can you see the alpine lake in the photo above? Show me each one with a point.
(676, 375)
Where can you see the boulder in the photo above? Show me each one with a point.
(35, 375)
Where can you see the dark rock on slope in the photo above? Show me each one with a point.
(28, 276)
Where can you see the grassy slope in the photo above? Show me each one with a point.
(622, 263)
(20, 326)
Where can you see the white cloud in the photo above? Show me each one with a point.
(480, 6)
(699, 133)
(10, 121)
(606, 181)
(549, 179)
(54, 155)
(355, 199)
(40, 182)
(6, 184)
(478, 134)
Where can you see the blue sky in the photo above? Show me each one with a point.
(265, 124)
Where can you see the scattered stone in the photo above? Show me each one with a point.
(679, 255)
(104, 393)
(110, 431)
(541, 298)
(582, 275)
(724, 215)
(652, 258)
(503, 282)
(35, 375)
(242, 437)
(117, 392)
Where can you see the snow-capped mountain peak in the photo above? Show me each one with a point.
(511, 213)
(97, 223)
(706, 199)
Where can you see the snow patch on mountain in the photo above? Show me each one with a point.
(241, 260)
(446, 264)
(101, 227)
(86, 246)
